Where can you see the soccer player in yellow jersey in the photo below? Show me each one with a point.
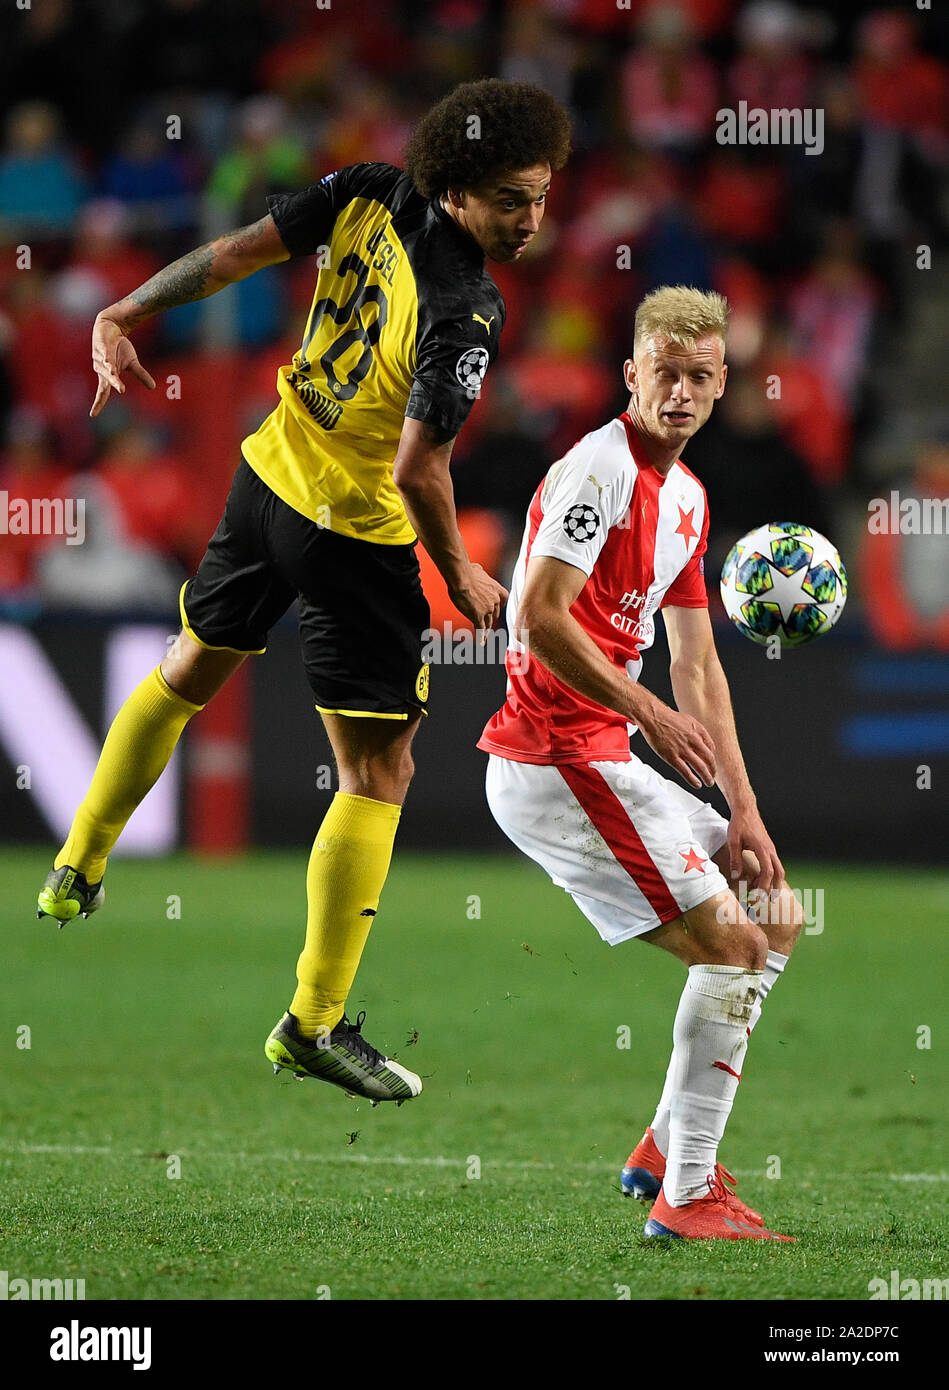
(330, 495)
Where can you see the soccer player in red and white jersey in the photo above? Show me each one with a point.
(616, 532)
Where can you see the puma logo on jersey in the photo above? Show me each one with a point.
(487, 322)
(598, 486)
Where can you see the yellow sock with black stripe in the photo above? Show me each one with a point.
(347, 869)
(135, 754)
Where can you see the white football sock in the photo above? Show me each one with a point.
(774, 966)
(710, 1037)
(660, 1126)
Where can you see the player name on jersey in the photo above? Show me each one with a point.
(324, 411)
(404, 321)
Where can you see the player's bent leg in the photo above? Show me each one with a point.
(136, 751)
(645, 1167)
(710, 1036)
(630, 848)
(716, 932)
(363, 616)
(780, 915)
(634, 850)
(725, 953)
(778, 911)
(781, 922)
(348, 867)
(196, 672)
(373, 756)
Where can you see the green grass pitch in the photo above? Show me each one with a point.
(146, 1038)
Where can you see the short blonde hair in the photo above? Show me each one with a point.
(682, 314)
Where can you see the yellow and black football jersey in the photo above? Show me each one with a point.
(404, 321)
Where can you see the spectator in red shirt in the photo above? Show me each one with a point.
(670, 90)
(899, 85)
(107, 259)
(152, 493)
(57, 311)
(771, 69)
(809, 412)
(904, 99)
(832, 310)
(29, 470)
(905, 577)
(740, 201)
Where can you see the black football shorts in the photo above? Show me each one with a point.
(362, 612)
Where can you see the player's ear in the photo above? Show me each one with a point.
(629, 373)
(721, 385)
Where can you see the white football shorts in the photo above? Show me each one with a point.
(632, 849)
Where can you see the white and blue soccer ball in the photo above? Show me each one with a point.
(786, 581)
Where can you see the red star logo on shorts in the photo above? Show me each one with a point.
(685, 528)
(692, 861)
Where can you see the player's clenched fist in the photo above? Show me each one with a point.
(683, 743)
(113, 354)
(480, 599)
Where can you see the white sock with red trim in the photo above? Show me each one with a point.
(660, 1126)
(710, 1037)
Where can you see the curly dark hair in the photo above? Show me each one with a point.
(518, 126)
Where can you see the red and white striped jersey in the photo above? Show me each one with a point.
(639, 537)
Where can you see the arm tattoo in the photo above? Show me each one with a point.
(192, 277)
(179, 283)
(241, 240)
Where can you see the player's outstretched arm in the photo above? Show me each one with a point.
(421, 473)
(546, 626)
(200, 273)
(701, 690)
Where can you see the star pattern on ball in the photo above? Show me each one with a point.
(785, 591)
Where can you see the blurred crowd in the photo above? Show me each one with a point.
(132, 133)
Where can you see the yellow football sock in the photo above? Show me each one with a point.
(136, 751)
(347, 869)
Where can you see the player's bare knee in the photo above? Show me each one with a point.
(743, 944)
(397, 762)
(723, 934)
(782, 919)
(753, 947)
(197, 673)
(778, 911)
(382, 774)
(400, 770)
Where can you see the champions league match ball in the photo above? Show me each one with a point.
(783, 580)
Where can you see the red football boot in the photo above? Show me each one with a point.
(645, 1169)
(707, 1218)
